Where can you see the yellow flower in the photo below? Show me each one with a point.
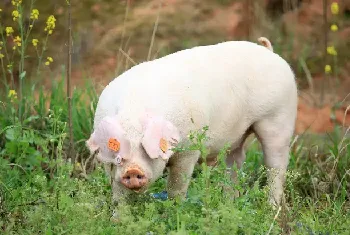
(35, 14)
(335, 8)
(50, 24)
(31, 26)
(16, 2)
(0, 10)
(328, 69)
(18, 41)
(15, 15)
(12, 93)
(334, 27)
(1, 43)
(35, 42)
(331, 50)
(9, 31)
(1, 56)
(14, 48)
(49, 60)
(78, 166)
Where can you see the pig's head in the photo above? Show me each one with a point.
(140, 157)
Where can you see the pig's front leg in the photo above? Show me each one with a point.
(180, 172)
(119, 192)
(120, 195)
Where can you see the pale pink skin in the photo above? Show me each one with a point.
(235, 88)
(148, 158)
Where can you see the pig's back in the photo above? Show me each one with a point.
(226, 86)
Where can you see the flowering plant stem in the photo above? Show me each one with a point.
(69, 92)
(7, 57)
(41, 55)
(325, 22)
(21, 64)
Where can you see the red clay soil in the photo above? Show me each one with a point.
(319, 120)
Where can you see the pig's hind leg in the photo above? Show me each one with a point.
(274, 134)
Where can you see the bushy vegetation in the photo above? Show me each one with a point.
(43, 192)
(34, 200)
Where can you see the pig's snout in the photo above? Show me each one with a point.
(134, 179)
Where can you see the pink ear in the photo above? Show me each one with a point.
(159, 137)
(109, 128)
(91, 144)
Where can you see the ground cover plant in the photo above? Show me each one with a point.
(43, 191)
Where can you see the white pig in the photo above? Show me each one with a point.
(236, 88)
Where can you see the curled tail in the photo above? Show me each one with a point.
(266, 43)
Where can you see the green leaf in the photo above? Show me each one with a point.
(33, 158)
(22, 75)
(66, 201)
(31, 119)
(11, 147)
(10, 134)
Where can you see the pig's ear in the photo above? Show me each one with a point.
(91, 143)
(159, 137)
(110, 138)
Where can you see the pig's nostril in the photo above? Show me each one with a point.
(134, 179)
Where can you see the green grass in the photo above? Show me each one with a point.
(42, 193)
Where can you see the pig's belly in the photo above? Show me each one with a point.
(215, 145)
(217, 142)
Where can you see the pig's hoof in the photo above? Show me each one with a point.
(115, 217)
